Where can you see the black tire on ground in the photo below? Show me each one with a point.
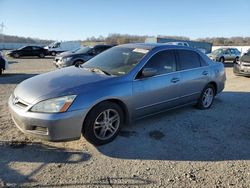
(16, 55)
(202, 102)
(94, 126)
(53, 53)
(236, 59)
(1, 71)
(222, 60)
(78, 62)
(41, 55)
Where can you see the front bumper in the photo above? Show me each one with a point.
(52, 127)
(241, 70)
(61, 64)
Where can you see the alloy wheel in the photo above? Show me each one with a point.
(106, 124)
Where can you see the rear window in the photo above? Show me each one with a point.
(188, 59)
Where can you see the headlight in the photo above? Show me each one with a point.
(66, 59)
(60, 104)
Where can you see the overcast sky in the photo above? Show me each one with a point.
(79, 19)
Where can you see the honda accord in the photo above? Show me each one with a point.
(114, 88)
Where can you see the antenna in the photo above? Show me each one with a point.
(1, 32)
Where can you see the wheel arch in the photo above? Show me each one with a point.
(119, 102)
(74, 62)
(214, 84)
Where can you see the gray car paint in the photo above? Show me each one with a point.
(140, 97)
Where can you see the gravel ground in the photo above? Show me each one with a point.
(181, 148)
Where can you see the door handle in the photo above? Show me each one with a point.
(174, 80)
(205, 73)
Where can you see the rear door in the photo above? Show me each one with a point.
(194, 75)
(227, 55)
(36, 50)
(159, 92)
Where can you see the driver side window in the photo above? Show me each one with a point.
(164, 62)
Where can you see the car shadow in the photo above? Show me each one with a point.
(14, 78)
(228, 64)
(12, 62)
(43, 155)
(35, 57)
(217, 134)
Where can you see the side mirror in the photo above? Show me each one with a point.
(148, 72)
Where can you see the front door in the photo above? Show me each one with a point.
(158, 92)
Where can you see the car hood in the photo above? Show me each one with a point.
(65, 54)
(67, 81)
(71, 55)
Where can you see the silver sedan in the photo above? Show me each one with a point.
(114, 88)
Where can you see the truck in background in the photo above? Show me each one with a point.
(58, 47)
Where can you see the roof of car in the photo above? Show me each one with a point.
(150, 46)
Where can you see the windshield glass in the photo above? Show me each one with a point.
(218, 51)
(82, 50)
(21, 48)
(117, 60)
(245, 57)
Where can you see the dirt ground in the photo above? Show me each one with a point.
(181, 148)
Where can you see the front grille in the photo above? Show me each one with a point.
(245, 64)
(19, 102)
(21, 105)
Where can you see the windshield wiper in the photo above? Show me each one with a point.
(96, 69)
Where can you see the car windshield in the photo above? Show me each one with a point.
(117, 60)
(21, 48)
(218, 51)
(82, 50)
(245, 57)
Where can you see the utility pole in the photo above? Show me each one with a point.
(1, 31)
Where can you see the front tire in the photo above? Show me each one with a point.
(41, 55)
(103, 123)
(53, 53)
(16, 55)
(222, 60)
(78, 62)
(207, 97)
(236, 59)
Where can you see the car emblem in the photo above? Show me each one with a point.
(15, 100)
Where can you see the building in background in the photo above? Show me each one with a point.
(205, 47)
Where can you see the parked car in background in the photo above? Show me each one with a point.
(58, 47)
(79, 56)
(178, 43)
(3, 63)
(225, 54)
(123, 83)
(29, 51)
(242, 67)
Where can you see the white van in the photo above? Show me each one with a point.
(58, 47)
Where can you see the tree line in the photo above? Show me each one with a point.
(126, 38)
(216, 41)
(17, 39)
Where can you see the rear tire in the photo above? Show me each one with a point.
(53, 53)
(207, 97)
(103, 123)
